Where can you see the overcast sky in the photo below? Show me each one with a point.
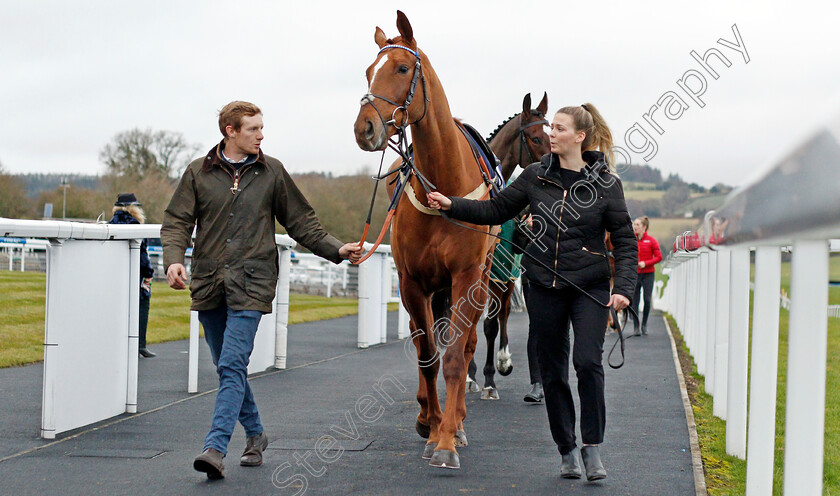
(77, 73)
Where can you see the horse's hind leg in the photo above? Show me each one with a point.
(472, 385)
(491, 330)
(504, 363)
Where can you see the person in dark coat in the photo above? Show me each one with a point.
(574, 199)
(232, 198)
(127, 210)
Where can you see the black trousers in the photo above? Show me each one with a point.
(644, 281)
(144, 319)
(550, 311)
(533, 362)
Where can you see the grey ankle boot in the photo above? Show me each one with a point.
(570, 465)
(592, 461)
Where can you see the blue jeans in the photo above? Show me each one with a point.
(230, 335)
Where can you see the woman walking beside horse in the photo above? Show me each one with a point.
(574, 199)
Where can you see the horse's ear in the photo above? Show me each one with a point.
(404, 28)
(380, 38)
(543, 106)
(526, 106)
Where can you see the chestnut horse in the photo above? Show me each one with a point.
(438, 262)
(519, 141)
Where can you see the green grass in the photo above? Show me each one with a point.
(643, 194)
(23, 295)
(726, 475)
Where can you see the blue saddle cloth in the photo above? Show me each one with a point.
(480, 149)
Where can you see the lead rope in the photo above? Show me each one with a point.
(634, 316)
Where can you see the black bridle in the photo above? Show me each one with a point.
(369, 97)
(523, 141)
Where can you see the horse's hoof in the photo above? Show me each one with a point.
(490, 393)
(445, 459)
(422, 429)
(505, 368)
(428, 450)
(461, 439)
(472, 386)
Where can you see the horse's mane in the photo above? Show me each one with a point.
(499, 128)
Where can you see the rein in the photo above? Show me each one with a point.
(634, 316)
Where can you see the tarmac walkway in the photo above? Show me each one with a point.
(365, 400)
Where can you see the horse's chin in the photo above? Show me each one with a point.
(376, 144)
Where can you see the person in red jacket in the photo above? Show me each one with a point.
(649, 255)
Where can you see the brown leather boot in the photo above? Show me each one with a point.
(210, 461)
(254, 447)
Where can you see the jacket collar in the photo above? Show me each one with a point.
(596, 163)
(214, 157)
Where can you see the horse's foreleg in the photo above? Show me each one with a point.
(428, 359)
(491, 330)
(469, 353)
(505, 364)
(469, 292)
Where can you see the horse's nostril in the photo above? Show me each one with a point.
(369, 130)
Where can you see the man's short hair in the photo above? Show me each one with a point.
(232, 114)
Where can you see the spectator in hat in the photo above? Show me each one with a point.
(127, 210)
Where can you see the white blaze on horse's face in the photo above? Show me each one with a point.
(376, 69)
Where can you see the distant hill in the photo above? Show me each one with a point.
(38, 183)
(640, 174)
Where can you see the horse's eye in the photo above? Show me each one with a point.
(537, 141)
(403, 69)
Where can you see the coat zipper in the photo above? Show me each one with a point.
(557, 242)
(236, 176)
(592, 252)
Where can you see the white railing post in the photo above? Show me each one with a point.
(133, 325)
(370, 294)
(702, 305)
(710, 311)
(282, 309)
(724, 268)
(385, 296)
(365, 288)
(807, 348)
(696, 303)
(51, 352)
(23, 258)
(192, 365)
(682, 288)
(739, 321)
(329, 272)
(765, 356)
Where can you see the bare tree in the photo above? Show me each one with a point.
(13, 201)
(139, 152)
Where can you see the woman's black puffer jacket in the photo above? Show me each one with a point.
(568, 224)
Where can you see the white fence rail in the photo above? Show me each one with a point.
(794, 204)
(92, 309)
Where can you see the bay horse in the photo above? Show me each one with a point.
(518, 141)
(437, 261)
